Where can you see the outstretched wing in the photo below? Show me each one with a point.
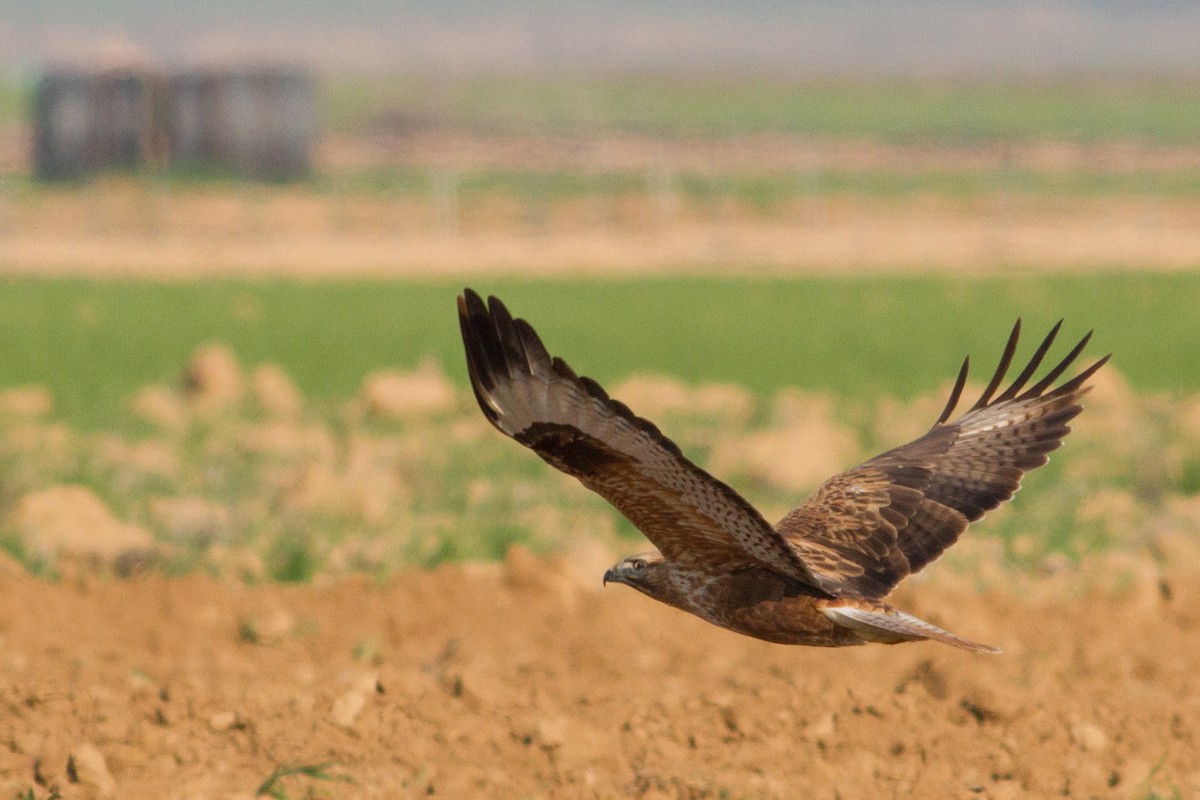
(574, 426)
(866, 529)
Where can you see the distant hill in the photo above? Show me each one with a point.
(856, 37)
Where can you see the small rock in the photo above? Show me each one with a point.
(277, 624)
(347, 707)
(223, 720)
(140, 685)
(87, 767)
(363, 685)
(552, 731)
(822, 727)
(1089, 736)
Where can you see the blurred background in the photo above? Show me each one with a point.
(232, 233)
(231, 237)
(382, 138)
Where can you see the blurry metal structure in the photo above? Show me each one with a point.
(84, 121)
(248, 123)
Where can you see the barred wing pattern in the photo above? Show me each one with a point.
(860, 533)
(568, 420)
(865, 530)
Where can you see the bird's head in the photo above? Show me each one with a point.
(649, 573)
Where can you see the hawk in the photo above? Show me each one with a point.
(821, 575)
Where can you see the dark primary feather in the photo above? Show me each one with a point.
(576, 427)
(866, 529)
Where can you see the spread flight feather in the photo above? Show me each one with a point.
(851, 542)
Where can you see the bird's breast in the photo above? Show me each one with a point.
(768, 606)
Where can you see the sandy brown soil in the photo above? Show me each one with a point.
(525, 680)
(600, 151)
(127, 227)
(305, 236)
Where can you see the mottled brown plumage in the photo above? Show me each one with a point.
(820, 576)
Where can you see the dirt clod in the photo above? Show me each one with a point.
(1089, 736)
(223, 720)
(87, 767)
(213, 379)
(70, 521)
(391, 394)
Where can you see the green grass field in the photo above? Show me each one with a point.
(891, 110)
(947, 111)
(93, 343)
(330, 488)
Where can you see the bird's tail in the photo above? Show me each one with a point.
(878, 622)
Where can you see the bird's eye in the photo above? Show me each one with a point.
(637, 564)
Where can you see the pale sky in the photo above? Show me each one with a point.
(905, 37)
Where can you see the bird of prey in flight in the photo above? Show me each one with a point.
(821, 575)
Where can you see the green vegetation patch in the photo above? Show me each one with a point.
(947, 111)
(95, 343)
(252, 483)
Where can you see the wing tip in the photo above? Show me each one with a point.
(1010, 350)
(500, 346)
(1013, 392)
(956, 392)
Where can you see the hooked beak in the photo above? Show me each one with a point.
(609, 575)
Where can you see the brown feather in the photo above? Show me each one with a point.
(970, 466)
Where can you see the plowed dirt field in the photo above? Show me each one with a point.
(525, 679)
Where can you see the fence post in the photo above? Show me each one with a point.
(444, 186)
